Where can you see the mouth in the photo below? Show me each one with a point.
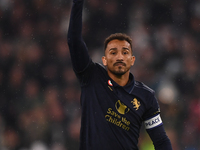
(119, 64)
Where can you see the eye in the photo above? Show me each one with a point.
(112, 52)
(125, 52)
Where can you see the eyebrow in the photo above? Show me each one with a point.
(112, 49)
(124, 48)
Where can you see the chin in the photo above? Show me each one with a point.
(119, 72)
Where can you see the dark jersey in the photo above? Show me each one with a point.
(112, 115)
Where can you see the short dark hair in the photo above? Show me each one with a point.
(118, 36)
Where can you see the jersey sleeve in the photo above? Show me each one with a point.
(159, 138)
(154, 125)
(78, 49)
(152, 117)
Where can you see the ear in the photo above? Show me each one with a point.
(132, 60)
(104, 60)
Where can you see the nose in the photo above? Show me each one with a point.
(120, 57)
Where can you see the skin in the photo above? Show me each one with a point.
(118, 59)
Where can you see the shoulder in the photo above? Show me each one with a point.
(143, 87)
(100, 68)
(94, 69)
(92, 66)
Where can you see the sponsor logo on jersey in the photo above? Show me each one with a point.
(121, 108)
(117, 117)
(153, 122)
(113, 117)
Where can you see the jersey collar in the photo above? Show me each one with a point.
(128, 88)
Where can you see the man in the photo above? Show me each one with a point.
(114, 105)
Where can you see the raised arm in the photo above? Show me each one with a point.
(78, 50)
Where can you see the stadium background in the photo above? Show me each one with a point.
(39, 93)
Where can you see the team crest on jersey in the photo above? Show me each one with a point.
(136, 103)
(121, 108)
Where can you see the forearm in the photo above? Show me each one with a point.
(159, 138)
(78, 50)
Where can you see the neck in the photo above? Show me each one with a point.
(122, 80)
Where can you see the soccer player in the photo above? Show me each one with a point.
(114, 105)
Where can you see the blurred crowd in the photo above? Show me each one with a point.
(39, 93)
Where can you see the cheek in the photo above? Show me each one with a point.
(109, 60)
(130, 61)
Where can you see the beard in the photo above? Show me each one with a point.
(119, 71)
